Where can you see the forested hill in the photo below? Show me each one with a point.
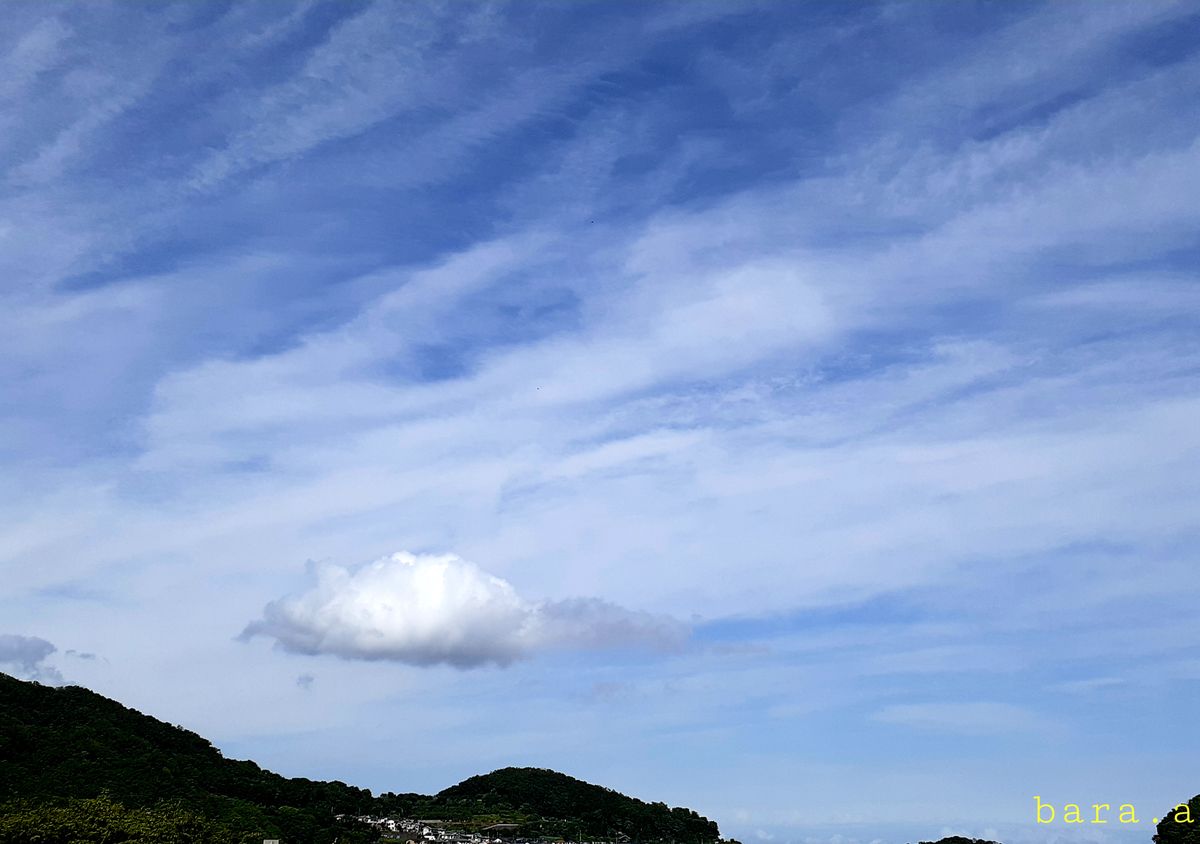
(62, 743)
(549, 794)
(69, 742)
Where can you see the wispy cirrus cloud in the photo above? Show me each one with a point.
(971, 717)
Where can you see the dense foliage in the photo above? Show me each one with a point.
(59, 743)
(1180, 826)
(101, 820)
(68, 755)
(548, 802)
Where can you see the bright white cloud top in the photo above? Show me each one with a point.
(429, 609)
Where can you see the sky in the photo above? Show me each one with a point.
(785, 410)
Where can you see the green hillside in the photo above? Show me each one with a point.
(563, 805)
(60, 748)
(58, 743)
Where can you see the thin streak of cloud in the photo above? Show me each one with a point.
(968, 718)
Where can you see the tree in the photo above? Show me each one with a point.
(104, 821)
(1181, 825)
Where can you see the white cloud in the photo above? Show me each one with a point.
(35, 52)
(434, 609)
(25, 657)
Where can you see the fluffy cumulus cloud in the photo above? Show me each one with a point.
(441, 609)
(25, 657)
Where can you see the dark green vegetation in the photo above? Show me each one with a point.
(78, 767)
(61, 743)
(549, 803)
(959, 839)
(1180, 825)
(101, 819)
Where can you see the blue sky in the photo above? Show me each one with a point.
(787, 410)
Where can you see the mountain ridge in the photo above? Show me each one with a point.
(63, 743)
